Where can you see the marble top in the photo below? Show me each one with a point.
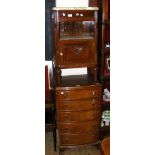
(75, 8)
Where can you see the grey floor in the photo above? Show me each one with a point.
(49, 149)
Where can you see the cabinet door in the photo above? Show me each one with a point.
(76, 54)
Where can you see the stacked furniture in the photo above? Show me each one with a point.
(77, 97)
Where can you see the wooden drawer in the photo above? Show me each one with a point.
(78, 93)
(76, 54)
(78, 139)
(77, 116)
(79, 105)
(79, 127)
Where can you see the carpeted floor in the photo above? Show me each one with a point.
(49, 150)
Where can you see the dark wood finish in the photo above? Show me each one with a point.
(76, 54)
(76, 117)
(75, 34)
(79, 127)
(93, 3)
(78, 113)
(78, 139)
(78, 93)
(79, 105)
(78, 98)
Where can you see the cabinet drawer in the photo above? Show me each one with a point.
(79, 127)
(79, 105)
(79, 93)
(78, 116)
(78, 139)
(76, 54)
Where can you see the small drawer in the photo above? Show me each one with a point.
(79, 93)
(79, 127)
(77, 116)
(79, 105)
(79, 139)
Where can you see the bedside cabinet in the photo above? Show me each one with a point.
(78, 114)
(75, 31)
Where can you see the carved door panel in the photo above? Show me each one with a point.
(76, 54)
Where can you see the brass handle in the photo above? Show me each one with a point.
(61, 54)
(93, 93)
(64, 94)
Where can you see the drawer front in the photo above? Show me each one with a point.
(79, 105)
(76, 54)
(78, 139)
(79, 93)
(78, 116)
(79, 127)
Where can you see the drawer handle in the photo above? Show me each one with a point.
(93, 93)
(64, 94)
(61, 54)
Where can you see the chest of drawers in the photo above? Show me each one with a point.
(78, 114)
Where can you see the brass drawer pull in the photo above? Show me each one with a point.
(93, 93)
(64, 94)
(61, 54)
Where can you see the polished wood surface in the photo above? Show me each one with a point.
(78, 92)
(79, 127)
(75, 34)
(76, 139)
(78, 116)
(78, 113)
(88, 104)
